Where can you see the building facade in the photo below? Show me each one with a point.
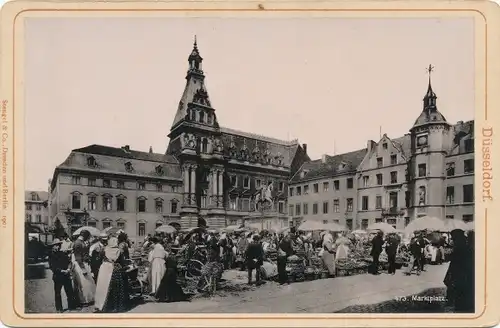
(219, 175)
(429, 171)
(36, 210)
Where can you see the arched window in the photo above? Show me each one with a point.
(91, 161)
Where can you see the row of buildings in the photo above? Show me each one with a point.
(224, 176)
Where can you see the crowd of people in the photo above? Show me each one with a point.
(94, 270)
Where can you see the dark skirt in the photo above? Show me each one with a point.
(118, 296)
(169, 290)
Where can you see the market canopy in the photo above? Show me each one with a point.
(425, 223)
(334, 227)
(382, 226)
(93, 231)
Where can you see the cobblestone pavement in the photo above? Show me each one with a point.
(355, 294)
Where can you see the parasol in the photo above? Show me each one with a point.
(231, 228)
(452, 224)
(425, 223)
(93, 231)
(359, 232)
(470, 225)
(311, 225)
(112, 230)
(384, 227)
(165, 228)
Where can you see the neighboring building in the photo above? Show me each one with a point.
(36, 210)
(208, 172)
(429, 171)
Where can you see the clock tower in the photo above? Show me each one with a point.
(426, 172)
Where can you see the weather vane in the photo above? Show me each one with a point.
(430, 69)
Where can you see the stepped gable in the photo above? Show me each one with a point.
(259, 148)
(331, 167)
(403, 144)
(122, 161)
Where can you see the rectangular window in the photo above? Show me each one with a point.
(364, 203)
(120, 225)
(393, 199)
(92, 203)
(364, 224)
(299, 190)
(258, 183)
(350, 183)
(38, 218)
(326, 185)
(281, 207)
(306, 189)
(380, 162)
(469, 145)
(290, 210)
(106, 183)
(450, 195)
(106, 224)
(38, 207)
(159, 206)
(336, 184)
(469, 166)
(468, 217)
(349, 224)
(468, 193)
(315, 208)
(281, 186)
(350, 204)
(233, 180)
(159, 187)
(76, 201)
(106, 203)
(245, 204)
(450, 217)
(394, 159)
(315, 188)
(378, 202)
(28, 217)
(297, 209)
(365, 181)
(173, 207)
(305, 209)
(325, 221)
(233, 204)
(325, 207)
(120, 204)
(120, 184)
(380, 179)
(422, 170)
(291, 191)
(336, 206)
(28, 207)
(394, 177)
(92, 224)
(142, 205)
(142, 185)
(450, 169)
(76, 180)
(246, 182)
(91, 182)
(378, 220)
(142, 229)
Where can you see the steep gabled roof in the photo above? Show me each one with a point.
(331, 167)
(123, 153)
(42, 195)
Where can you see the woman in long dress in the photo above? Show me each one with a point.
(169, 290)
(82, 274)
(157, 264)
(328, 255)
(112, 294)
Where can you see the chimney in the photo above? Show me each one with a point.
(150, 149)
(323, 158)
(126, 148)
(304, 146)
(370, 144)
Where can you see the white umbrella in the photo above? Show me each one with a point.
(452, 224)
(425, 223)
(470, 225)
(112, 230)
(384, 227)
(165, 228)
(359, 232)
(93, 231)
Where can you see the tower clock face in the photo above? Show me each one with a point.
(422, 141)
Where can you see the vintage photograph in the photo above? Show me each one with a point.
(249, 165)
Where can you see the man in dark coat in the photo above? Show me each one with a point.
(391, 248)
(254, 259)
(377, 243)
(285, 249)
(61, 275)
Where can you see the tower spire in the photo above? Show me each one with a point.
(430, 96)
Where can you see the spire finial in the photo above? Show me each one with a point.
(429, 70)
(195, 43)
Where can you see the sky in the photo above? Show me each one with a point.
(329, 82)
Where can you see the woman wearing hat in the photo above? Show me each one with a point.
(61, 275)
